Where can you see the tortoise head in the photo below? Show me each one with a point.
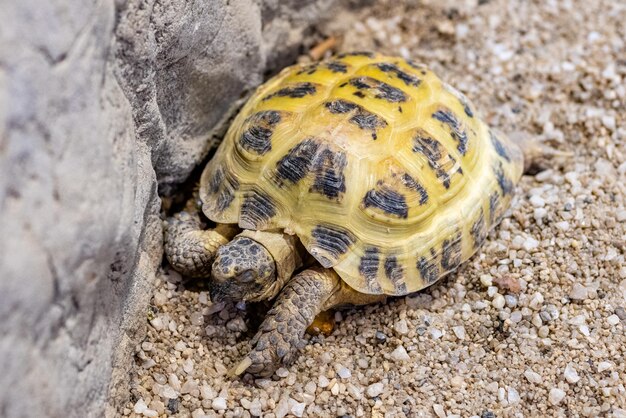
(243, 270)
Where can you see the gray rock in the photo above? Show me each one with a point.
(100, 104)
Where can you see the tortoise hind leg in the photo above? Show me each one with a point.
(281, 334)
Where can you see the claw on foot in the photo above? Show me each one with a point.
(241, 367)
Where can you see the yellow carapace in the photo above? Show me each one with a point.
(384, 172)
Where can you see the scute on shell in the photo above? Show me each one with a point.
(384, 172)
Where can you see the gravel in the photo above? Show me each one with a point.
(531, 326)
(375, 389)
(400, 354)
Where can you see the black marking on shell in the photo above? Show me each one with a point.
(337, 67)
(466, 108)
(393, 70)
(226, 195)
(479, 230)
(296, 91)
(257, 208)
(223, 188)
(369, 122)
(387, 200)
(494, 202)
(296, 163)
(368, 269)
(333, 240)
(428, 268)
(356, 54)
(451, 253)
(309, 69)
(258, 137)
(341, 106)
(379, 89)
(412, 184)
(328, 167)
(461, 98)
(434, 153)
(216, 181)
(400, 109)
(416, 65)
(456, 132)
(361, 117)
(499, 146)
(505, 183)
(395, 273)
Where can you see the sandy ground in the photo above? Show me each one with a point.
(532, 326)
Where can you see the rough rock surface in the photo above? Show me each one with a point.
(99, 103)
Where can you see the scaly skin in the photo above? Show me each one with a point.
(243, 270)
(281, 334)
(188, 248)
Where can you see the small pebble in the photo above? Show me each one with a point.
(578, 292)
(612, 320)
(354, 391)
(439, 411)
(530, 244)
(256, 409)
(436, 333)
(375, 389)
(459, 331)
(282, 408)
(207, 392)
(282, 372)
(400, 354)
(516, 316)
(556, 396)
(197, 319)
(296, 408)
(343, 372)
(140, 406)
(511, 301)
(237, 324)
(198, 413)
(486, 280)
(533, 377)
(157, 323)
(169, 392)
(310, 387)
(536, 301)
(401, 327)
(604, 365)
(218, 404)
(513, 396)
(498, 301)
(380, 337)
(570, 373)
(537, 201)
(323, 381)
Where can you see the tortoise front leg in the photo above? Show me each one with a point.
(190, 249)
(281, 334)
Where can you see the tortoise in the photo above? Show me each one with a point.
(364, 174)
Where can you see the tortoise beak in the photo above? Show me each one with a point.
(219, 292)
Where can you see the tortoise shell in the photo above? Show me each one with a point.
(383, 171)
